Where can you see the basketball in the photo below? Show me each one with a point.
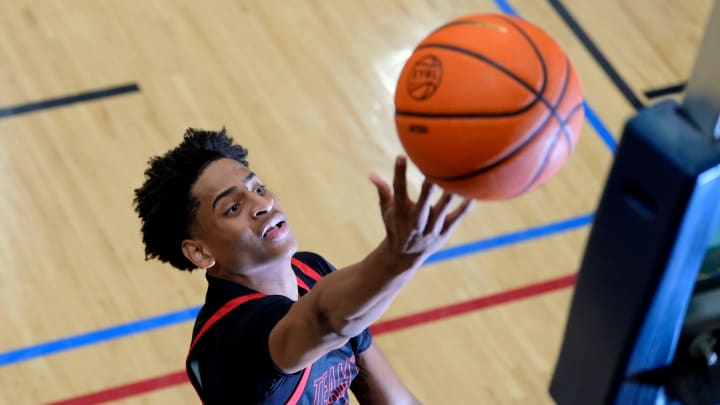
(488, 106)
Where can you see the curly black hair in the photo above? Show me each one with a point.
(164, 203)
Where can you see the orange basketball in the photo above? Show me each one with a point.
(488, 106)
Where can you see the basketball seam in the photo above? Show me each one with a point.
(520, 147)
(566, 131)
(501, 68)
(550, 149)
(533, 45)
(405, 113)
(542, 61)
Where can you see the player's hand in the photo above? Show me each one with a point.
(415, 230)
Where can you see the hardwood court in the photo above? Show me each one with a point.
(307, 86)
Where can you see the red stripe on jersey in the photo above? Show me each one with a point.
(302, 284)
(224, 310)
(229, 306)
(300, 387)
(306, 270)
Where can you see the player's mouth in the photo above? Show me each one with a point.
(275, 228)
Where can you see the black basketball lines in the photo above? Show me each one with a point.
(538, 97)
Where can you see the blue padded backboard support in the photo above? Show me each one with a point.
(642, 257)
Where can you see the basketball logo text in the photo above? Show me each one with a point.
(425, 77)
(418, 129)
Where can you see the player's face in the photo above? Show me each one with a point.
(240, 222)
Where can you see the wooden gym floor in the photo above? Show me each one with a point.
(307, 86)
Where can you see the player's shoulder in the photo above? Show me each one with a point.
(315, 261)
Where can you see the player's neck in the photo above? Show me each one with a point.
(276, 279)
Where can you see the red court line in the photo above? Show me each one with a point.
(128, 390)
(390, 325)
(472, 305)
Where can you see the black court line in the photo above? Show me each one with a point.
(599, 57)
(665, 91)
(66, 100)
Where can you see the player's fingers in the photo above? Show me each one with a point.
(443, 208)
(424, 203)
(400, 181)
(454, 218)
(436, 211)
(384, 191)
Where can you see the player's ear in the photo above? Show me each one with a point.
(198, 254)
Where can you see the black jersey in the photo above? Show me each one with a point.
(229, 360)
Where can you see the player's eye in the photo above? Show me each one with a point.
(233, 209)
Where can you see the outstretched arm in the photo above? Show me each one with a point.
(347, 301)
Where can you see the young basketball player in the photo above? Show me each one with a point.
(280, 326)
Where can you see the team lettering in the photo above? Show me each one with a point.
(334, 382)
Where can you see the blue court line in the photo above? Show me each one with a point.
(102, 335)
(189, 314)
(510, 238)
(506, 8)
(600, 128)
(590, 114)
(67, 100)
